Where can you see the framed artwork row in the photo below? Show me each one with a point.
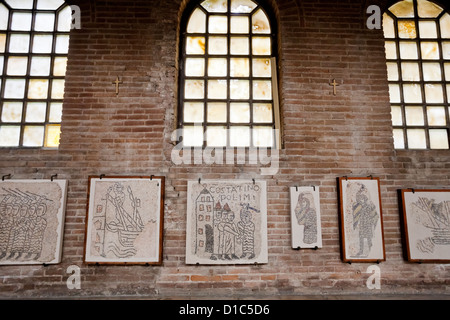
(226, 221)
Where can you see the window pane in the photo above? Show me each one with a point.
(19, 43)
(49, 4)
(14, 88)
(396, 113)
(9, 136)
(432, 72)
(408, 50)
(65, 19)
(44, 22)
(262, 137)
(412, 93)
(197, 22)
(239, 24)
(21, 21)
(217, 112)
(446, 50)
(242, 6)
(2, 42)
(239, 67)
(217, 45)
(216, 136)
(239, 136)
(414, 116)
(262, 90)
(12, 112)
(428, 9)
(239, 89)
(60, 66)
(193, 136)
(262, 112)
(33, 136)
(434, 93)
(391, 50)
(17, 66)
(195, 67)
(403, 9)
(217, 67)
(52, 135)
(438, 139)
(38, 89)
(40, 66)
(1, 65)
(194, 89)
(399, 142)
(239, 113)
(261, 46)
(260, 23)
(436, 116)
(218, 24)
(36, 112)
(3, 17)
(430, 50)
(20, 4)
(42, 43)
(445, 26)
(447, 71)
(193, 112)
(55, 112)
(217, 89)
(427, 29)
(394, 93)
(416, 138)
(388, 26)
(215, 5)
(195, 45)
(407, 29)
(62, 44)
(392, 70)
(262, 68)
(410, 71)
(239, 45)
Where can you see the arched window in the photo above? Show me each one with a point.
(227, 91)
(34, 41)
(417, 34)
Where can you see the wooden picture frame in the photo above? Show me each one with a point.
(361, 219)
(425, 217)
(306, 231)
(124, 220)
(32, 221)
(226, 222)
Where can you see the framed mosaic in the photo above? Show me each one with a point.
(425, 217)
(226, 222)
(361, 219)
(124, 223)
(305, 218)
(32, 214)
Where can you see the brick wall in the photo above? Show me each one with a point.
(325, 136)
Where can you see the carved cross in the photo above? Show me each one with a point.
(334, 84)
(117, 82)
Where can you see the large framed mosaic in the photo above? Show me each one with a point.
(361, 219)
(426, 224)
(226, 222)
(124, 223)
(32, 214)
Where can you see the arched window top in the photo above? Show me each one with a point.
(417, 34)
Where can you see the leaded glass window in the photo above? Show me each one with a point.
(34, 41)
(227, 69)
(417, 34)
